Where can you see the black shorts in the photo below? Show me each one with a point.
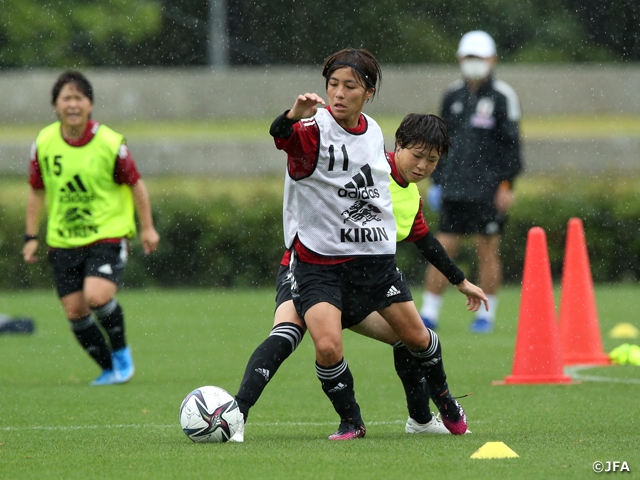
(283, 286)
(283, 294)
(72, 265)
(357, 287)
(469, 217)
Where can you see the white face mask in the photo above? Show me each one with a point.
(475, 68)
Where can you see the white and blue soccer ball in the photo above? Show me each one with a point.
(210, 414)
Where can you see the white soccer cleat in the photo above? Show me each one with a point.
(435, 426)
(238, 437)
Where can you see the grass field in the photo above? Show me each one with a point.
(54, 425)
(548, 127)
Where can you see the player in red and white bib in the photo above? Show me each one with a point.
(420, 142)
(338, 220)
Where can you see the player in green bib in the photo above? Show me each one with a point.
(84, 174)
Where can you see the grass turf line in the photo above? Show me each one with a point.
(533, 127)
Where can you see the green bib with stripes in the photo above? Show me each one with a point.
(84, 202)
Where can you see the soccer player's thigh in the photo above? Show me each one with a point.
(68, 274)
(285, 311)
(456, 221)
(103, 272)
(405, 321)
(377, 328)
(487, 230)
(382, 285)
(487, 246)
(317, 296)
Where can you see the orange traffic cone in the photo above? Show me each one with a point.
(579, 328)
(537, 358)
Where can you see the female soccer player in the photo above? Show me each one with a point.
(91, 184)
(420, 142)
(338, 220)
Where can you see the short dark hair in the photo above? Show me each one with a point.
(76, 78)
(363, 64)
(418, 129)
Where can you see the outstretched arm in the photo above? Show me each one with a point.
(305, 106)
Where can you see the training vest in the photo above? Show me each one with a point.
(406, 203)
(343, 208)
(84, 202)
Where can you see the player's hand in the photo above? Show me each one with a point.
(149, 238)
(503, 199)
(306, 106)
(475, 296)
(29, 251)
(434, 197)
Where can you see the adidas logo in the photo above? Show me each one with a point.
(430, 363)
(337, 388)
(360, 186)
(393, 291)
(72, 188)
(74, 191)
(106, 269)
(361, 179)
(264, 372)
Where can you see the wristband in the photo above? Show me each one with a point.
(28, 238)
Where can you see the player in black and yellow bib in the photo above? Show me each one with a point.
(88, 180)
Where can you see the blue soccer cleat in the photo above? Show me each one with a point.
(481, 325)
(123, 364)
(107, 377)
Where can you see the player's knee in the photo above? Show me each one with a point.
(417, 339)
(97, 298)
(328, 350)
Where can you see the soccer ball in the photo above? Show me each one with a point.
(210, 414)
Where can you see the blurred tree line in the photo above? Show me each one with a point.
(78, 33)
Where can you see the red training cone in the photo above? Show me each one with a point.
(579, 328)
(537, 357)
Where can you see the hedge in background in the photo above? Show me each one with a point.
(608, 207)
(209, 242)
(236, 240)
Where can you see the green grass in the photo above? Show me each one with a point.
(54, 425)
(550, 127)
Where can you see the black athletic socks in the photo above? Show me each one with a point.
(431, 362)
(337, 384)
(412, 377)
(91, 339)
(264, 363)
(111, 318)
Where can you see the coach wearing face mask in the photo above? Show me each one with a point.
(472, 187)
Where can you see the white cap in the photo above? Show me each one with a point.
(476, 43)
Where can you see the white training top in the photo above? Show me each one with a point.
(343, 208)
